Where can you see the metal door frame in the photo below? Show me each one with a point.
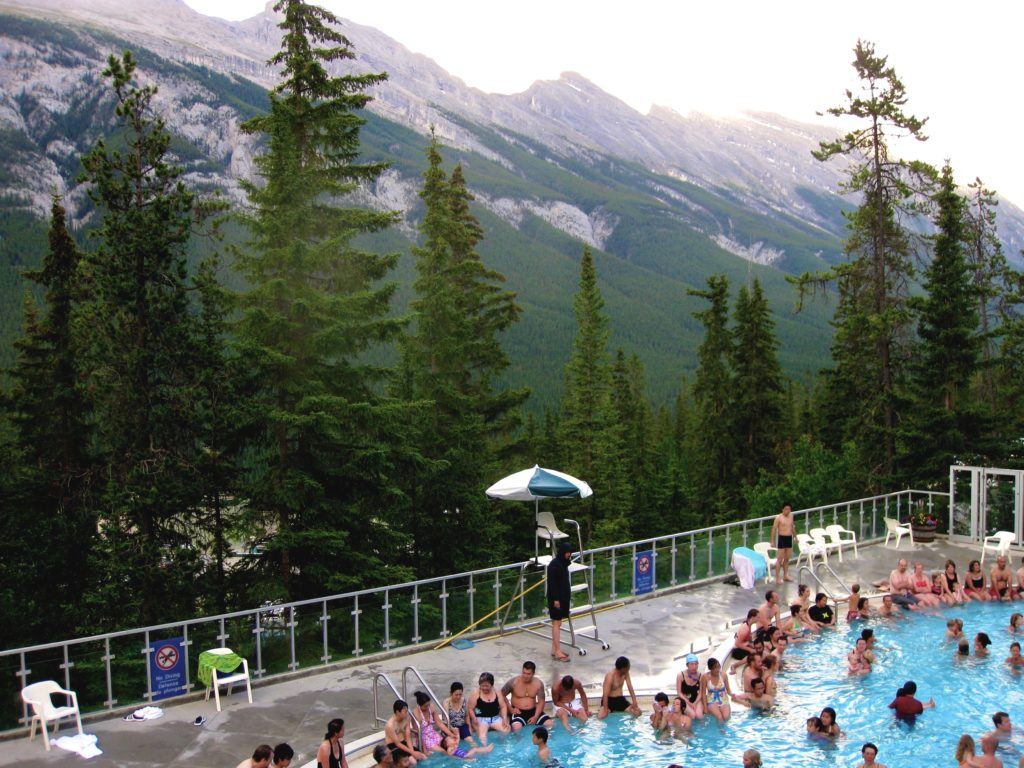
(979, 500)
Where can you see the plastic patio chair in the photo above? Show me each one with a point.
(806, 547)
(893, 528)
(770, 555)
(822, 539)
(37, 696)
(218, 679)
(999, 542)
(841, 536)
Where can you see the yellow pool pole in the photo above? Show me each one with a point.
(447, 640)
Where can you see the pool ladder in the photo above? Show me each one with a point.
(822, 586)
(383, 677)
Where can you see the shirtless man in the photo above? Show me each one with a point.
(768, 613)
(398, 733)
(753, 670)
(1003, 730)
(757, 697)
(782, 533)
(901, 586)
(528, 701)
(1001, 580)
(612, 699)
(988, 758)
(887, 609)
(569, 700)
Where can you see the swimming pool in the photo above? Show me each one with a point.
(967, 693)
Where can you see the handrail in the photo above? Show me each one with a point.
(834, 575)
(377, 677)
(429, 691)
(819, 582)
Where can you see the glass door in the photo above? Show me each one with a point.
(1000, 502)
(964, 484)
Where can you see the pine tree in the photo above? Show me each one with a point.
(943, 425)
(451, 360)
(757, 392)
(328, 445)
(589, 432)
(136, 333)
(714, 441)
(873, 318)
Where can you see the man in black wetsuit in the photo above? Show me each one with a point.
(558, 597)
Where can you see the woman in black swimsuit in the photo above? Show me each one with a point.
(332, 748)
(974, 584)
(688, 688)
(956, 589)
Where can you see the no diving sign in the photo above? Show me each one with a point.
(166, 667)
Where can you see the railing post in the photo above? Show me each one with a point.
(185, 643)
(693, 557)
(860, 524)
(874, 517)
(293, 664)
(444, 608)
(66, 666)
(613, 594)
(654, 566)
(149, 672)
(324, 618)
(258, 631)
(760, 530)
(744, 534)
(632, 572)
(387, 618)
(107, 658)
(416, 613)
(848, 517)
(711, 553)
(675, 549)
(223, 634)
(355, 616)
(728, 553)
(471, 591)
(23, 672)
(497, 597)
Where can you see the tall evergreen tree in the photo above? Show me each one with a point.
(714, 441)
(635, 425)
(942, 425)
(589, 431)
(873, 318)
(451, 360)
(136, 333)
(328, 443)
(757, 386)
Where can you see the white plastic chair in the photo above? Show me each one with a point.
(217, 679)
(840, 536)
(999, 542)
(893, 528)
(770, 555)
(822, 540)
(806, 547)
(37, 696)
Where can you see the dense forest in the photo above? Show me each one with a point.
(175, 447)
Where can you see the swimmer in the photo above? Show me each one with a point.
(868, 635)
(855, 661)
(965, 752)
(450, 746)
(715, 693)
(688, 687)
(659, 709)
(1016, 622)
(569, 700)
(988, 757)
(981, 644)
(612, 698)
(813, 726)
(963, 649)
(757, 698)
(829, 726)
(528, 699)
(888, 607)
(863, 610)
(821, 612)
(666, 716)
(795, 627)
(771, 665)
(540, 738)
(869, 752)
(1015, 660)
(755, 665)
(954, 629)
(906, 704)
(853, 603)
(1003, 727)
(751, 759)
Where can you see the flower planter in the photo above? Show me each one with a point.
(923, 533)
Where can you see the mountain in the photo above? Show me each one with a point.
(664, 199)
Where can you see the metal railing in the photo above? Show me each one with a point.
(113, 669)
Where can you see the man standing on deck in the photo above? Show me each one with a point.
(782, 534)
(558, 597)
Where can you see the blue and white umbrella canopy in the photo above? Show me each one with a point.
(538, 483)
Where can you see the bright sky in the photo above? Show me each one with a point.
(961, 62)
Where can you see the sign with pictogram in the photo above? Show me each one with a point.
(167, 667)
(644, 573)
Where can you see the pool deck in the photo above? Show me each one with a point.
(653, 633)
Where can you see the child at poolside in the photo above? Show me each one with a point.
(540, 738)
(853, 603)
(450, 746)
(1015, 660)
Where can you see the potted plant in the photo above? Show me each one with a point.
(922, 523)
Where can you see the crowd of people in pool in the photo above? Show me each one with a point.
(460, 728)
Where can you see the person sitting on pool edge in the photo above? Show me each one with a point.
(528, 700)
(906, 705)
(612, 698)
(1000, 581)
(568, 699)
(821, 612)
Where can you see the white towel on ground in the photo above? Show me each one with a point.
(83, 744)
(148, 713)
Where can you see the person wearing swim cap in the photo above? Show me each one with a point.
(688, 687)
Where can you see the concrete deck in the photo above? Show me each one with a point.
(652, 632)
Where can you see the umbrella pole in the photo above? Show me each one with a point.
(536, 538)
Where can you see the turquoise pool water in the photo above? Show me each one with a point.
(967, 693)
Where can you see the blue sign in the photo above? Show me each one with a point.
(643, 573)
(167, 667)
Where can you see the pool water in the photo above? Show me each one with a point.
(966, 691)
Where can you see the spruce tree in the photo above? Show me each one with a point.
(327, 444)
(757, 393)
(714, 441)
(451, 361)
(873, 318)
(589, 433)
(136, 335)
(943, 422)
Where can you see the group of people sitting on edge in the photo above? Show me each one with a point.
(916, 589)
(460, 727)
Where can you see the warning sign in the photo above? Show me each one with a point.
(167, 667)
(644, 573)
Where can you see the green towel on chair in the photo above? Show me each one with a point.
(222, 662)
